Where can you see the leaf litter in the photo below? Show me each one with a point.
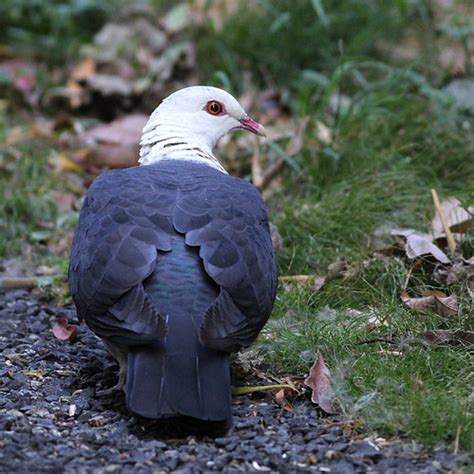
(445, 306)
(318, 381)
(64, 331)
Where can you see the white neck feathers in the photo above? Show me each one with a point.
(172, 139)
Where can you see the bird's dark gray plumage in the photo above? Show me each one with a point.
(174, 262)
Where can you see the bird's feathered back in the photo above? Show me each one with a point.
(128, 215)
(172, 263)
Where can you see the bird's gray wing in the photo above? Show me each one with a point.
(228, 220)
(124, 220)
(128, 215)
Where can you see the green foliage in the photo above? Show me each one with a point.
(27, 211)
(279, 39)
(24, 181)
(52, 29)
(397, 139)
(381, 372)
(389, 149)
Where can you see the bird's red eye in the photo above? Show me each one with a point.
(214, 108)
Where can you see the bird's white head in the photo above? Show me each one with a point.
(188, 124)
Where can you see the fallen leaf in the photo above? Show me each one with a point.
(406, 232)
(459, 271)
(457, 218)
(445, 306)
(281, 397)
(446, 336)
(109, 85)
(316, 281)
(323, 133)
(44, 270)
(114, 145)
(178, 18)
(64, 331)
(418, 244)
(336, 270)
(79, 74)
(62, 163)
(124, 130)
(318, 380)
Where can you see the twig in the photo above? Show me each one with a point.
(415, 265)
(262, 179)
(456, 440)
(447, 230)
(376, 339)
(19, 282)
(271, 172)
(257, 175)
(297, 278)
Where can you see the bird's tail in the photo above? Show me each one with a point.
(161, 384)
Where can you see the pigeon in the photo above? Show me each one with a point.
(172, 263)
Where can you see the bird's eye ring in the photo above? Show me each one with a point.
(214, 107)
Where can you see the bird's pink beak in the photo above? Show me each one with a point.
(249, 124)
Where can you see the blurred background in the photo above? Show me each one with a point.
(368, 105)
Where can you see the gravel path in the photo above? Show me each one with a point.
(50, 420)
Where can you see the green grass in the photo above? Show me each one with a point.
(398, 139)
(53, 29)
(392, 148)
(28, 214)
(400, 388)
(278, 40)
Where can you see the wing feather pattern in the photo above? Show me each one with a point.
(130, 215)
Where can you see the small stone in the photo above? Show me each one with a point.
(330, 455)
(97, 421)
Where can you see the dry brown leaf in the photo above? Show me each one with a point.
(445, 336)
(459, 271)
(336, 270)
(123, 131)
(318, 381)
(108, 85)
(316, 281)
(64, 331)
(418, 246)
(445, 306)
(80, 73)
(281, 397)
(62, 163)
(115, 145)
(457, 218)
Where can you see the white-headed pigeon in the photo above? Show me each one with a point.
(172, 262)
